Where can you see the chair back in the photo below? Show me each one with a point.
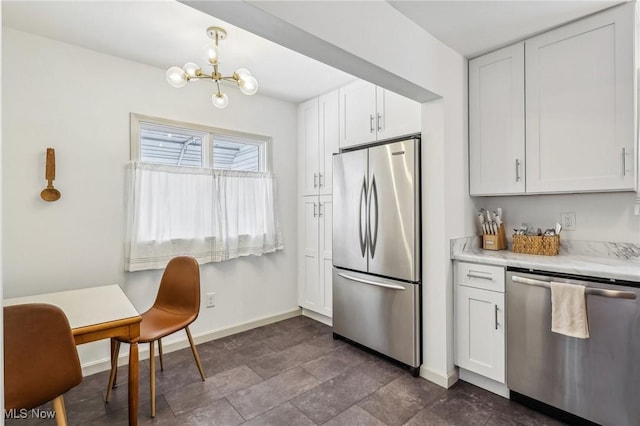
(179, 290)
(40, 356)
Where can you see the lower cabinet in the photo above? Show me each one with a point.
(314, 281)
(480, 320)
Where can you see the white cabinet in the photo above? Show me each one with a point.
(396, 115)
(357, 113)
(480, 320)
(315, 246)
(496, 122)
(369, 113)
(318, 137)
(580, 104)
(575, 90)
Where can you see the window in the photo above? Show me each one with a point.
(197, 191)
(160, 141)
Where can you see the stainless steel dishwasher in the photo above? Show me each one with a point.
(598, 378)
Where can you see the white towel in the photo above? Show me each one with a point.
(569, 310)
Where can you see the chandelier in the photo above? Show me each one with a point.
(178, 77)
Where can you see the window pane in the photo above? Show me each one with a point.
(170, 146)
(235, 156)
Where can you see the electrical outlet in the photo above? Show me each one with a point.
(211, 300)
(568, 221)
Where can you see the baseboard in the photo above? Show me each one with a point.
(178, 343)
(445, 381)
(484, 383)
(318, 317)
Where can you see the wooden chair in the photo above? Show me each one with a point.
(176, 306)
(40, 358)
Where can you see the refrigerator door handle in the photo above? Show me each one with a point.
(362, 234)
(373, 234)
(361, 280)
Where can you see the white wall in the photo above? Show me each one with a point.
(599, 217)
(400, 58)
(78, 101)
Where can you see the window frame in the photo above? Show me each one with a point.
(209, 134)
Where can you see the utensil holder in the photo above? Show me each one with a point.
(495, 241)
(536, 244)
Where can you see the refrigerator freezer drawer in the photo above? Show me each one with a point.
(379, 313)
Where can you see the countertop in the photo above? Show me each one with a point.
(618, 261)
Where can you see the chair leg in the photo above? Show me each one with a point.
(152, 378)
(115, 345)
(61, 414)
(160, 352)
(195, 353)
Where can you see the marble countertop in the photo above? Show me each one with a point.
(619, 261)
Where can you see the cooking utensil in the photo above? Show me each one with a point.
(50, 193)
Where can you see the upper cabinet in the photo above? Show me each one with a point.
(580, 104)
(496, 122)
(329, 145)
(318, 135)
(579, 121)
(369, 113)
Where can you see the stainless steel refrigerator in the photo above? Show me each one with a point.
(376, 249)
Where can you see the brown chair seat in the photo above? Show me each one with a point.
(158, 323)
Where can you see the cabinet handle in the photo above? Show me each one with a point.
(496, 315)
(320, 182)
(315, 213)
(378, 120)
(624, 161)
(371, 129)
(482, 277)
(517, 170)
(320, 209)
(315, 180)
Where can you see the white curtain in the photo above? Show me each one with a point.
(212, 215)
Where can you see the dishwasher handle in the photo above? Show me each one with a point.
(614, 294)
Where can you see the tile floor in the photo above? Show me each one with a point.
(289, 373)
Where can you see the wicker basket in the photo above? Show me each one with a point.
(532, 244)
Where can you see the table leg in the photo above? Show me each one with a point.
(114, 348)
(133, 384)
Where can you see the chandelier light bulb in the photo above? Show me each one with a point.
(243, 72)
(248, 85)
(176, 77)
(191, 69)
(220, 100)
(212, 54)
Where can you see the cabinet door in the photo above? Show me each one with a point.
(580, 103)
(396, 115)
(325, 235)
(357, 113)
(479, 316)
(496, 122)
(329, 139)
(308, 129)
(309, 291)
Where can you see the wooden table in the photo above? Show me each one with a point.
(98, 313)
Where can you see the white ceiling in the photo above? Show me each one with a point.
(164, 33)
(475, 27)
(167, 33)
